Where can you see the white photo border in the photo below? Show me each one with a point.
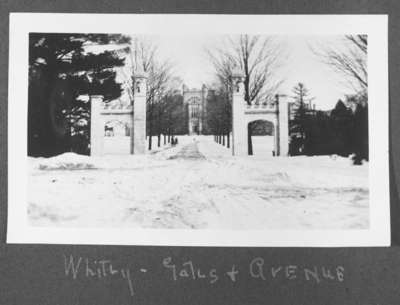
(375, 26)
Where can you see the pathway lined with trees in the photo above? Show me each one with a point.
(66, 68)
(189, 152)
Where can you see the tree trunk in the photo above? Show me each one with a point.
(169, 135)
(150, 118)
(165, 139)
(249, 142)
(228, 140)
(223, 139)
(158, 140)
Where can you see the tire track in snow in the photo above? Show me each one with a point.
(177, 209)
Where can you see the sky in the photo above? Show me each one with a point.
(298, 64)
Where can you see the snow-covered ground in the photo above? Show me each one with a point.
(198, 184)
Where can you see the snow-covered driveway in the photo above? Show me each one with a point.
(196, 185)
(189, 151)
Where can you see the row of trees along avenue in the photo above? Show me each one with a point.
(166, 114)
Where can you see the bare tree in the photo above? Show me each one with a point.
(259, 57)
(143, 56)
(159, 78)
(350, 60)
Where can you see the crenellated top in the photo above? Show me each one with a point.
(262, 107)
(116, 108)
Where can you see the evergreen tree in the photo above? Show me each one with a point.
(61, 70)
(342, 124)
(320, 134)
(300, 124)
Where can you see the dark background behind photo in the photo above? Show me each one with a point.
(36, 275)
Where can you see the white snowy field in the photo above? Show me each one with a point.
(198, 184)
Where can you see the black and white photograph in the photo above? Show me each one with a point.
(156, 130)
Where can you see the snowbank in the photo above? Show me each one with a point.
(118, 157)
(66, 161)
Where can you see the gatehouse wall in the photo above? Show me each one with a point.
(133, 115)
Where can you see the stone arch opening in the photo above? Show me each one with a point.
(117, 135)
(116, 128)
(261, 137)
(114, 131)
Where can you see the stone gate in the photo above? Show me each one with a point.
(133, 115)
(243, 114)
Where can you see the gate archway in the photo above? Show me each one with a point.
(276, 112)
(117, 128)
(117, 133)
(130, 115)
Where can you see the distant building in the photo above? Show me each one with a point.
(196, 101)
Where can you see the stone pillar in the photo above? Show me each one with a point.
(138, 137)
(283, 119)
(239, 128)
(96, 126)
